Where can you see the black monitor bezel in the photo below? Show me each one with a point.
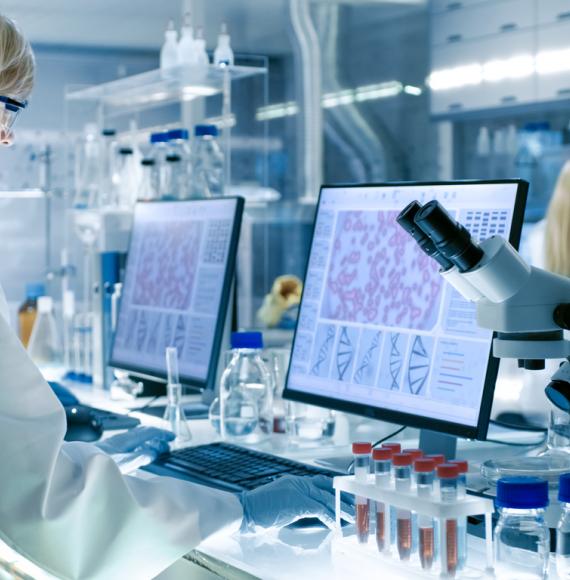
(209, 382)
(469, 432)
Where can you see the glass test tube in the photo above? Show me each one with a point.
(402, 463)
(425, 475)
(448, 484)
(463, 467)
(383, 470)
(361, 452)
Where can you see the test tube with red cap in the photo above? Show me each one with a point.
(448, 483)
(382, 459)
(425, 476)
(461, 523)
(361, 452)
(402, 463)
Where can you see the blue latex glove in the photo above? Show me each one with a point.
(289, 499)
(137, 439)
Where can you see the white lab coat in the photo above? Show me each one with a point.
(66, 506)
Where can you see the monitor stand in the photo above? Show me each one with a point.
(432, 442)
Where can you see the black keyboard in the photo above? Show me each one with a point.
(230, 467)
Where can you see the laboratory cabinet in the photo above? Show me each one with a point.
(554, 86)
(452, 5)
(551, 11)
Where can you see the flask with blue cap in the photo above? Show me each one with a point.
(522, 538)
(246, 391)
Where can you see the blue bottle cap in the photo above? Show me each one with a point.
(178, 134)
(201, 130)
(35, 290)
(247, 340)
(159, 137)
(564, 488)
(522, 493)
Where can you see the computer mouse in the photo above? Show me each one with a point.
(82, 425)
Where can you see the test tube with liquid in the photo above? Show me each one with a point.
(383, 471)
(463, 467)
(425, 476)
(415, 454)
(448, 489)
(438, 459)
(361, 452)
(402, 463)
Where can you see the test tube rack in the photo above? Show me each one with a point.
(431, 507)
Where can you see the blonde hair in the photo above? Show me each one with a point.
(17, 63)
(557, 238)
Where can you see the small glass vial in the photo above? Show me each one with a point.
(361, 452)
(425, 476)
(437, 458)
(415, 453)
(463, 467)
(448, 484)
(382, 459)
(395, 447)
(563, 529)
(402, 463)
(522, 538)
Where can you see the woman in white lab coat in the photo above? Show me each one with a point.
(66, 506)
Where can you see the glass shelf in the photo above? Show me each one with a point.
(162, 87)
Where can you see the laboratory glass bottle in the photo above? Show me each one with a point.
(126, 178)
(425, 476)
(179, 146)
(169, 50)
(44, 347)
(87, 169)
(148, 188)
(159, 146)
(186, 45)
(28, 311)
(382, 458)
(208, 166)
(224, 55)
(202, 57)
(246, 391)
(109, 147)
(463, 467)
(522, 538)
(402, 463)
(361, 455)
(448, 490)
(563, 529)
(173, 178)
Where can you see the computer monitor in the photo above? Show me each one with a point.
(179, 273)
(380, 333)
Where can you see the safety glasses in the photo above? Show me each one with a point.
(9, 111)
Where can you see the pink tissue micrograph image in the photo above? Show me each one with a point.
(378, 275)
(168, 264)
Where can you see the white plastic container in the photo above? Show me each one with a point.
(169, 50)
(187, 53)
(224, 55)
(202, 57)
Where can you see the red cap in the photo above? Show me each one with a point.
(461, 464)
(361, 448)
(424, 465)
(447, 471)
(382, 454)
(402, 459)
(395, 446)
(437, 458)
(415, 453)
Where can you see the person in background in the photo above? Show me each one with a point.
(65, 506)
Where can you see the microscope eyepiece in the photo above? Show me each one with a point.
(406, 221)
(451, 239)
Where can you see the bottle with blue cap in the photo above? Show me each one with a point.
(563, 529)
(208, 163)
(246, 391)
(159, 145)
(178, 169)
(522, 538)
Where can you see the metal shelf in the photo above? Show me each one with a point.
(161, 87)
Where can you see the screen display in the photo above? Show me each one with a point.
(378, 325)
(177, 271)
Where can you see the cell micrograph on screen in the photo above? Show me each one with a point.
(418, 365)
(378, 275)
(345, 353)
(218, 236)
(167, 265)
(368, 357)
(392, 361)
(323, 350)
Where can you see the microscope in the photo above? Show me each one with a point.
(527, 307)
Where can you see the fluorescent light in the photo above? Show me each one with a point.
(412, 90)
(553, 61)
(453, 78)
(331, 100)
(516, 67)
(277, 111)
(378, 91)
(198, 91)
(22, 194)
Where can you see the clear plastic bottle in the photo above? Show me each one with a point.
(126, 178)
(382, 458)
(522, 538)
(173, 177)
(159, 146)
(109, 147)
(208, 166)
(187, 44)
(224, 55)
(179, 175)
(202, 57)
(402, 463)
(88, 169)
(44, 347)
(169, 50)
(361, 453)
(28, 311)
(148, 188)
(246, 393)
(563, 529)
(425, 476)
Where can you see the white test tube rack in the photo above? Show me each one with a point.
(431, 507)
